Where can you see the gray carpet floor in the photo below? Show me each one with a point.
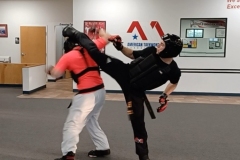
(32, 129)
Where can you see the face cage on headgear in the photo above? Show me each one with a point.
(173, 46)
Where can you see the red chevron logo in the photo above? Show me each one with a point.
(153, 24)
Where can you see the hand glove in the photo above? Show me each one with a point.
(117, 42)
(163, 102)
(49, 69)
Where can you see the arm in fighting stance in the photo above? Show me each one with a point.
(52, 71)
(60, 67)
(170, 88)
(163, 97)
(173, 82)
(128, 52)
(117, 43)
(103, 34)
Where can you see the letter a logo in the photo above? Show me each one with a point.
(156, 25)
(135, 24)
(153, 24)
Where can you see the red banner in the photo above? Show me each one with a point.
(205, 23)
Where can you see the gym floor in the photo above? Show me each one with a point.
(62, 89)
(191, 128)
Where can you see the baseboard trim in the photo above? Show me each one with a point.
(59, 78)
(10, 85)
(35, 90)
(183, 93)
(180, 93)
(55, 80)
(52, 80)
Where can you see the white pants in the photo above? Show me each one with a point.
(84, 111)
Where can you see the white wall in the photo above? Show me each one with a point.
(120, 14)
(35, 12)
(74, 86)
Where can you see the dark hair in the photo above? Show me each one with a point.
(69, 44)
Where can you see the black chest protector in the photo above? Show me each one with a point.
(148, 73)
(76, 76)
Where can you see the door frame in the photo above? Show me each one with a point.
(55, 40)
(55, 36)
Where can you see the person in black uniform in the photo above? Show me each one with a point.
(151, 68)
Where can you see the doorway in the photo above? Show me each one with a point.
(64, 82)
(59, 41)
(59, 45)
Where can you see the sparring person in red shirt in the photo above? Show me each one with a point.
(87, 104)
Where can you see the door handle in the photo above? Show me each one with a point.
(22, 54)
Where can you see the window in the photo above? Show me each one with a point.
(194, 33)
(198, 33)
(190, 33)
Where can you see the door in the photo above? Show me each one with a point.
(33, 44)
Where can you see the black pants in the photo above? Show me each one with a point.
(120, 72)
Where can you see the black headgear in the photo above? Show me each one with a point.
(69, 44)
(173, 46)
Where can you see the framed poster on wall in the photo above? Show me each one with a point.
(189, 43)
(3, 30)
(91, 28)
(220, 32)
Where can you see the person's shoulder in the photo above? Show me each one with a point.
(151, 49)
(174, 66)
(70, 56)
(174, 63)
(148, 51)
(73, 52)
